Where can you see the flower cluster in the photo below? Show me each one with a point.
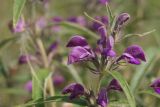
(104, 59)
(76, 90)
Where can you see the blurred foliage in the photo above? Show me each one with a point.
(144, 17)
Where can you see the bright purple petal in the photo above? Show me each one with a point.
(78, 54)
(77, 41)
(102, 99)
(136, 51)
(129, 58)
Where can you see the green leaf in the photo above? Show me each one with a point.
(118, 104)
(4, 42)
(79, 101)
(77, 27)
(2, 69)
(38, 84)
(143, 69)
(150, 92)
(17, 10)
(123, 83)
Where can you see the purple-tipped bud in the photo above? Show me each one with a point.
(23, 59)
(28, 86)
(53, 47)
(77, 41)
(136, 51)
(114, 85)
(102, 99)
(20, 26)
(79, 54)
(122, 18)
(79, 20)
(104, 1)
(156, 86)
(74, 89)
(57, 19)
(58, 80)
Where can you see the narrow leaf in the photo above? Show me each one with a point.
(80, 101)
(150, 92)
(125, 87)
(143, 69)
(79, 28)
(17, 10)
(38, 84)
(4, 42)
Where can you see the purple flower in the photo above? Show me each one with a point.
(24, 58)
(114, 85)
(58, 79)
(156, 86)
(136, 51)
(79, 20)
(20, 26)
(77, 41)
(106, 44)
(133, 54)
(102, 99)
(57, 19)
(129, 58)
(103, 19)
(74, 89)
(41, 23)
(52, 47)
(79, 54)
(28, 86)
(103, 1)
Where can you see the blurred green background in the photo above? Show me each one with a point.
(145, 16)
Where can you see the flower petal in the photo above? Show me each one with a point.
(24, 58)
(156, 86)
(79, 20)
(103, 19)
(74, 89)
(109, 52)
(122, 18)
(129, 58)
(136, 51)
(102, 99)
(77, 41)
(78, 54)
(114, 85)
